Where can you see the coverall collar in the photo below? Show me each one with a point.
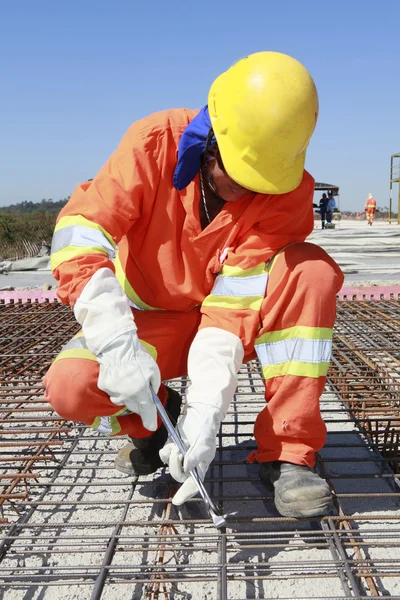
(190, 150)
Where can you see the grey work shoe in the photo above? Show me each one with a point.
(299, 491)
(140, 456)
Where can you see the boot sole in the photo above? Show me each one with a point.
(126, 470)
(299, 510)
(140, 471)
(130, 470)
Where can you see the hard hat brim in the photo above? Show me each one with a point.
(278, 178)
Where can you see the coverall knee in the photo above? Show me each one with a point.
(370, 213)
(71, 382)
(294, 348)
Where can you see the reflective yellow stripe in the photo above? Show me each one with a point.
(150, 349)
(96, 423)
(75, 353)
(110, 425)
(82, 221)
(300, 331)
(238, 272)
(294, 367)
(115, 426)
(234, 302)
(106, 425)
(128, 289)
(71, 252)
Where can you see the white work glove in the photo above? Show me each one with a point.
(126, 368)
(126, 371)
(214, 360)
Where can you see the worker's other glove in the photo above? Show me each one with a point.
(215, 357)
(198, 429)
(126, 368)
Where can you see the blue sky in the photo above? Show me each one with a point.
(75, 75)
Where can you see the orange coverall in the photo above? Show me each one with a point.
(370, 208)
(248, 272)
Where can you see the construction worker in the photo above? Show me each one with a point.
(370, 208)
(323, 208)
(186, 255)
(330, 209)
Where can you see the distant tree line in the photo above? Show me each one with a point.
(48, 206)
(27, 224)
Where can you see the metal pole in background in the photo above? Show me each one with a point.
(394, 178)
(390, 190)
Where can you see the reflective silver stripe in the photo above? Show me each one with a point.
(253, 285)
(135, 305)
(77, 235)
(299, 349)
(76, 342)
(105, 425)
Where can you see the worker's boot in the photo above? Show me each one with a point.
(299, 491)
(140, 456)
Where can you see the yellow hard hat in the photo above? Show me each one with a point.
(263, 112)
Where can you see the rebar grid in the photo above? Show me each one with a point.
(73, 527)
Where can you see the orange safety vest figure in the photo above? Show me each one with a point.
(186, 256)
(370, 208)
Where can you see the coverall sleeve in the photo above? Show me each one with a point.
(100, 212)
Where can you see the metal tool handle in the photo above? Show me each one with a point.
(182, 449)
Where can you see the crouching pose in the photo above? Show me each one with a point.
(186, 255)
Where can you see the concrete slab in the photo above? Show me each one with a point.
(367, 255)
(31, 264)
(26, 264)
(26, 279)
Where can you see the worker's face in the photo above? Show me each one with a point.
(219, 180)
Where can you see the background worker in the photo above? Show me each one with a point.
(323, 208)
(210, 211)
(330, 209)
(370, 208)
